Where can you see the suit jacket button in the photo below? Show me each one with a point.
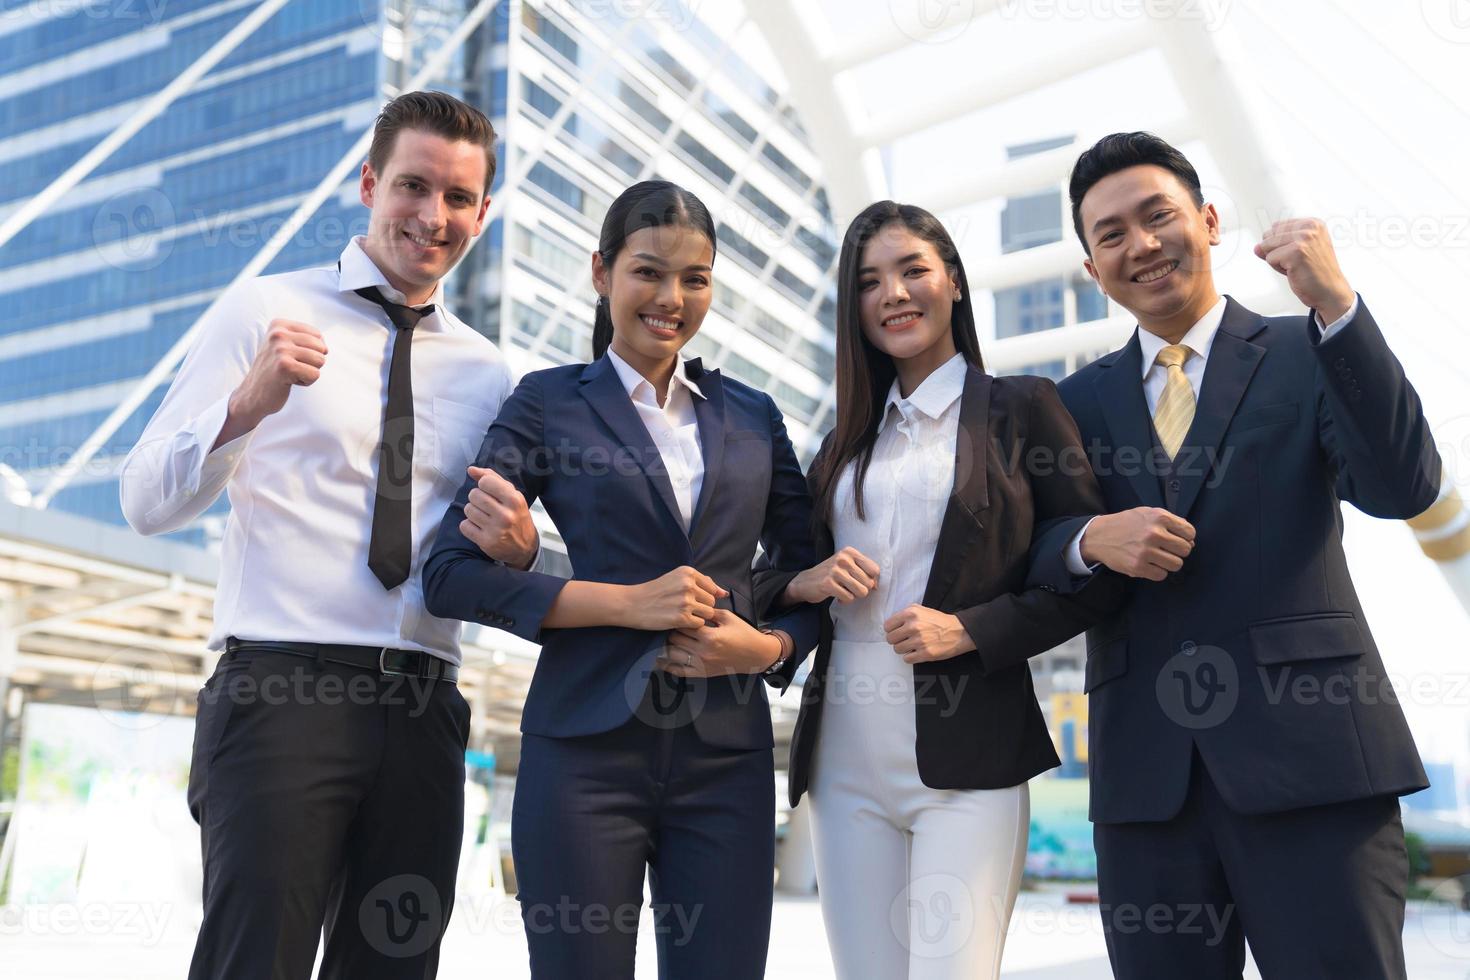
(1047, 588)
(1188, 648)
(1340, 363)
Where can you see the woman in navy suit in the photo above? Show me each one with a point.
(646, 732)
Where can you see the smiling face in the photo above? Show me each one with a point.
(1150, 247)
(658, 290)
(906, 297)
(427, 205)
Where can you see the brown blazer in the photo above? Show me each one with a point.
(1018, 464)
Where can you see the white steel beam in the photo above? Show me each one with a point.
(146, 113)
(1002, 86)
(903, 30)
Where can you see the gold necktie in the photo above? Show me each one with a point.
(1175, 412)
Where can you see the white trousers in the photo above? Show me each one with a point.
(914, 882)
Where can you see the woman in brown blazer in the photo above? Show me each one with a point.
(919, 726)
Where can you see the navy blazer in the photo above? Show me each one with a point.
(1257, 654)
(571, 437)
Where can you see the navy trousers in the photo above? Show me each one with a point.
(1318, 892)
(593, 814)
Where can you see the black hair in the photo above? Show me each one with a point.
(1120, 151)
(864, 373)
(647, 204)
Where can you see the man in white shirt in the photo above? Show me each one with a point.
(1247, 752)
(338, 408)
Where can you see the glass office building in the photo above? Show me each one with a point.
(1026, 222)
(100, 286)
(589, 101)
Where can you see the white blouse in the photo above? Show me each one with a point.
(673, 427)
(905, 493)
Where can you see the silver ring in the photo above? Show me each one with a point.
(688, 660)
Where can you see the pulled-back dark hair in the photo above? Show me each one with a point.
(647, 204)
(864, 373)
(1119, 152)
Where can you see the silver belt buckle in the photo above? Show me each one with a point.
(383, 664)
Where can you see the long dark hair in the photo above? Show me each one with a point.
(864, 373)
(647, 204)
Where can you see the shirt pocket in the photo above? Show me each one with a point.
(458, 432)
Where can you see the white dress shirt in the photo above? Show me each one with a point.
(293, 563)
(905, 492)
(672, 426)
(1199, 339)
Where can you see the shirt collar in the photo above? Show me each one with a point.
(1200, 339)
(636, 384)
(935, 394)
(359, 271)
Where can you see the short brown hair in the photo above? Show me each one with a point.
(432, 112)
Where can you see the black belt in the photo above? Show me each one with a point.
(412, 663)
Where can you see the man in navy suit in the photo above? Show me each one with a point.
(1247, 750)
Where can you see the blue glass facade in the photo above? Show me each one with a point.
(99, 287)
(102, 285)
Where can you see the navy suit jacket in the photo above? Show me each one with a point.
(1257, 654)
(571, 437)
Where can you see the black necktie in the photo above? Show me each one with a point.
(391, 546)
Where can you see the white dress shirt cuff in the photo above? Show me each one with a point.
(1339, 323)
(206, 480)
(1075, 564)
(538, 564)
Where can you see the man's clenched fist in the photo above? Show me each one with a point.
(498, 520)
